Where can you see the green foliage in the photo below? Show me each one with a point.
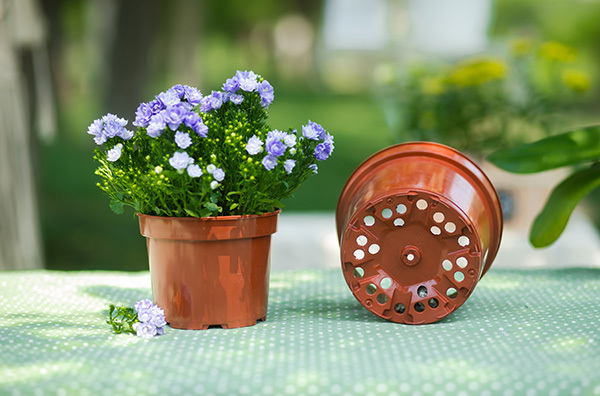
(565, 149)
(143, 177)
(122, 319)
(484, 103)
(570, 148)
(553, 218)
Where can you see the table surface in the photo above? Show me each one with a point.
(521, 332)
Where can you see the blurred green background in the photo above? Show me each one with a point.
(108, 56)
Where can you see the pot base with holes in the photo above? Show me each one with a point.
(419, 224)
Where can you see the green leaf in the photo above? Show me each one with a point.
(567, 148)
(552, 220)
(191, 213)
(273, 202)
(116, 206)
(212, 206)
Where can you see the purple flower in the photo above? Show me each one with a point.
(216, 99)
(231, 85)
(200, 128)
(194, 121)
(143, 114)
(113, 125)
(156, 126)
(96, 129)
(178, 89)
(236, 99)
(218, 174)
(314, 168)
(169, 98)
(157, 106)
(212, 101)
(254, 145)
(194, 170)
(274, 143)
(114, 153)
(289, 140)
(192, 95)
(269, 162)
(205, 104)
(183, 140)
(247, 80)
(144, 330)
(142, 305)
(144, 315)
(265, 90)
(157, 316)
(174, 115)
(151, 319)
(322, 151)
(109, 126)
(180, 160)
(210, 168)
(214, 184)
(313, 131)
(288, 165)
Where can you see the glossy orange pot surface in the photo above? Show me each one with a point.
(210, 271)
(418, 224)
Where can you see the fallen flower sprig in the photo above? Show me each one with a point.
(146, 320)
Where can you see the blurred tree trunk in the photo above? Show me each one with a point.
(129, 61)
(21, 28)
(183, 40)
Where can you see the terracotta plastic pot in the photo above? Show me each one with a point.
(419, 224)
(210, 271)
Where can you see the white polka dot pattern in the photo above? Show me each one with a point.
(522, 332)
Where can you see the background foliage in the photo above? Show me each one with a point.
(109, 56)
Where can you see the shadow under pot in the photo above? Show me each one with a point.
(418, 225)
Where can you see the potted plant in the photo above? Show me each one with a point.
(206, 176)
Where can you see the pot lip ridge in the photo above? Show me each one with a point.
(213, 218)
(209, 228)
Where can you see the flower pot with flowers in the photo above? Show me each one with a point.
(206, 176)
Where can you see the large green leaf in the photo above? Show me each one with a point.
(552, 220)
(568, 148)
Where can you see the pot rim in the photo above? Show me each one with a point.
(213, 218)
(208, 228)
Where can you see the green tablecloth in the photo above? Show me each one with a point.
(521, 332)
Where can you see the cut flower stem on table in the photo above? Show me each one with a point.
(145, 319)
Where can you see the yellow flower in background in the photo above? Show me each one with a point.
(478, 71)
(577, 80)
(433, 85)
(555, 51)
(521, 46)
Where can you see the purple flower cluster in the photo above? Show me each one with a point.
(151, 319)
(276, 144)
(172, 109)
(246, 81)
(107, 127)
(315, 131)
(182, 161)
